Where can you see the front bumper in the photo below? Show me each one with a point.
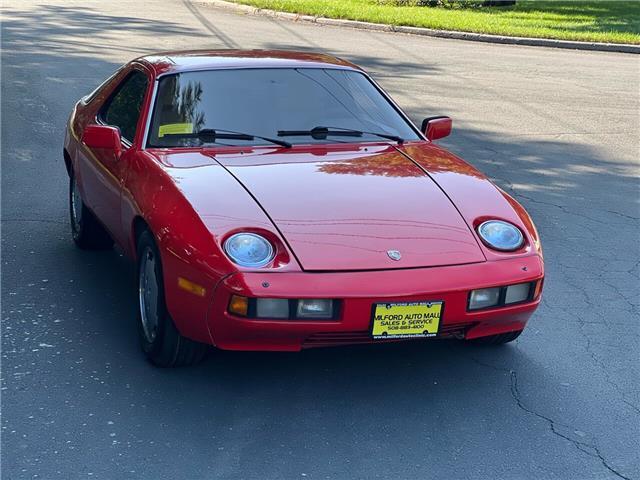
(359, 291)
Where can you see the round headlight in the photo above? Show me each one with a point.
(249, 249)
(501, 235)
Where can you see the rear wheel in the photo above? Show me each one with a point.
(499, 339)
(86, 230)
(159, 337)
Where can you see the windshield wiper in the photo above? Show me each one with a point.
(321, 133)
(211, 135)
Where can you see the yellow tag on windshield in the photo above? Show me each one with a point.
(175, 128)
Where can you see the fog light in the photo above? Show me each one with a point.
(517, 293)
(483, 298)
(239, 305)
(272, 308)
(315, 308)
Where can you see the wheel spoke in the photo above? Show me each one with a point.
(76, 206)
(148, 295)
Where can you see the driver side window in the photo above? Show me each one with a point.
(122, 110)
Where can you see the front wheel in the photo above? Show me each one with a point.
(499, 339)
(159, 337)
(86, 230)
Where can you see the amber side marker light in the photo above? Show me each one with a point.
(239, 305)
(191, 287)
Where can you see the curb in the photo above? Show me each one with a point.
(474, 37)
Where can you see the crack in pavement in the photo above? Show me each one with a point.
(599, 363)
(590, 449)
(632, 307)
(594, 357)
(564, 208)
(624, 215)
(516, 193)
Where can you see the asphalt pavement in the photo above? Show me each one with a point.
(558, 129)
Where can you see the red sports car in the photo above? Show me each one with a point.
(277, 201)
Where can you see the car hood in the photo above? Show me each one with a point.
(352, 208)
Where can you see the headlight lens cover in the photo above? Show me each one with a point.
(249, 249)
(500, 235)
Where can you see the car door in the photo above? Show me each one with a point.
(102, 172)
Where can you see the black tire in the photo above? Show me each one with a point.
(86, 230)
(160, 340)
(499, 339)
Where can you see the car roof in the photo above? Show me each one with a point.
(191, 60)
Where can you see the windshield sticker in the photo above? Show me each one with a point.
(170, 128)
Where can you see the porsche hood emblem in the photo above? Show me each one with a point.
(394, 255)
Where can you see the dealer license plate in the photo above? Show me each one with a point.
(406, 320)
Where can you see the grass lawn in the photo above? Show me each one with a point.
(596, 21)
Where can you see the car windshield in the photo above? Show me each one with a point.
(272, 103)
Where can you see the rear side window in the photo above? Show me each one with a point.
(123, 109)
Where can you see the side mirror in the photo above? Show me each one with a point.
(436, 127)
(102, 136)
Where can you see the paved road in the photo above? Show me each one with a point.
(559, 129)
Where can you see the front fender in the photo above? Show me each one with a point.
(191, 207)
(191, 258)
(475, 196)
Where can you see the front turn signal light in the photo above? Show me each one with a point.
(239, 305)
